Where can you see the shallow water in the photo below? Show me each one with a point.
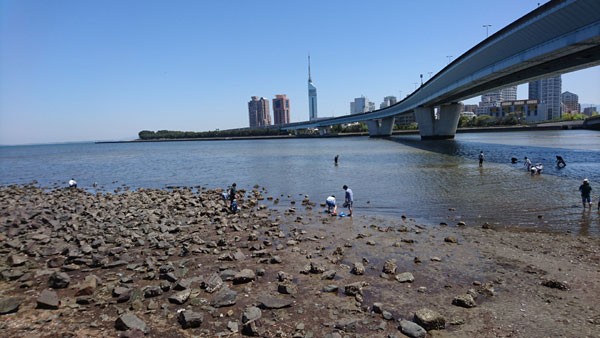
(431, 181)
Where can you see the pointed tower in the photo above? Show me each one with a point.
(312, 96)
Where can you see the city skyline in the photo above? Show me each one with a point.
(86, 71)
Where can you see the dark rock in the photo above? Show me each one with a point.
(16, 260)
(244, 276)
(274, 303)
(330, 288)
(287, 288)
(59, 280)
(224, 297)
(212, 283)
(555, 285)
(129, 321)
(465, 301)
(10, 305)
(358, 269)
(48, 299)
(152, 291)
(189, 319)
(180, 297)
(411, 329)
(450, 239)
(354, 289)
(390, 267)
(251, 325)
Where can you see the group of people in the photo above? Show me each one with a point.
(348, 201)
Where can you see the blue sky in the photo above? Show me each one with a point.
(104, 70)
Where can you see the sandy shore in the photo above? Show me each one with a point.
(176, 263)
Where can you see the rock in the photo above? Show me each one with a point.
(88, 287)
(48, 299)
(59, 280)
(10, 305)
(329, 274)
(330, 288)
(390, 267)
(250, 322)
(411, 329)
(152, 291)
(224, 297)
(358, 269)
(16, 260)
(212, 283)
(429, 319)
(180, 297)
(465, 301)
(555, 285)
(377, 307)
(354, 289)
(450, 239)
(274, 303)
(405, 277)
(129, 321)
(244, 276)
(189, 319)
(287, 288)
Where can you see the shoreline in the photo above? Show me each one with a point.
(162, 261)
(571, 125)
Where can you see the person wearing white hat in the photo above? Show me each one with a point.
(586, 191)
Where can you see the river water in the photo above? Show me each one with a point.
(431, 181)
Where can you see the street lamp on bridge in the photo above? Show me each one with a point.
(486, 30)
(449, 58)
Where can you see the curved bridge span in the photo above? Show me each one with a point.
(558, 37)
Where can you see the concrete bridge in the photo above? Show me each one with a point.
(558, 37)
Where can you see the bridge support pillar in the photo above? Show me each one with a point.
(438, 125)
(323, 131)
(381, 127)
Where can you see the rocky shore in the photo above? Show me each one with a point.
(177, 263)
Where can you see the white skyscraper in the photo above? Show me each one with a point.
(312, 96)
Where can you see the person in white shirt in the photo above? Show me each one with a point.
(72, 183)
(331, 206)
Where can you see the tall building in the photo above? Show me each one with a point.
(281, 109)
(312, 96)
(258, 112)
(361, 105)
(388, 101)
(547, 91)
(570, 102)
(495, 98)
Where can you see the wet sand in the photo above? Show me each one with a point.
(176, 263)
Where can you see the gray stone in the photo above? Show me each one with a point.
(88, 287)
(274, 302)
(189, 319)
(212, 283)
(465, 301)
(48, 299)
(353, 289)
(251, 314)
(411, 329)
(358, 269)
(330, 288)
(377, 307)
(180, 297)
(329, 274)
(390, 267)
(10, 305)
(244, 276)
(59, 280)
(16, 260)
(287, 288)
(129, 321)
(405, 277)
(152, 291)
(224, 297)
(429, 319)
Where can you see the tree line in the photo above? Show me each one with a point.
(177, 135)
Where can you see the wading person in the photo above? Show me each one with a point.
(586, 191)
(335, 159)
(231, 192)
(72, 183)
(348, 199)
(527, 163)
(481, 158)
(560, 162)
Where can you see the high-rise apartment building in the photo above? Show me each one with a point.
(570, 102)
(281, 109)
(495, 98)
(388, 101)
(312, 96)
(547, 91)
(258, 112)
(361, 105)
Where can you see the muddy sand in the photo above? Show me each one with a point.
(176, 263)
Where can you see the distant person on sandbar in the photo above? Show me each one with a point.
(331, 205)
(72, 183)
(513, 160)
(527, 163)
(348, 199)
(481, 157)
(560, 162)
(335, 159)
(586, 190)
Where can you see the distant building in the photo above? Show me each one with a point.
(547, 91)
(589, 110)
(281, 110)
(523, 109)
(570, 102)
(495, 98)
(312, 97)
(361, 105)
(469, 107)
(258, 112)
(388, 101)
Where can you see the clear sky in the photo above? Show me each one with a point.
(82, 70)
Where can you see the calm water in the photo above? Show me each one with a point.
(432, 181)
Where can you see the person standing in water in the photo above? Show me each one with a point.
(335, 159)
(586, 191)
(481, 158)
(348, 199)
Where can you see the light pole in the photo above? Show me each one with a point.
(430, 74)
(486, 30)
(449, 58)
(421, 75)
